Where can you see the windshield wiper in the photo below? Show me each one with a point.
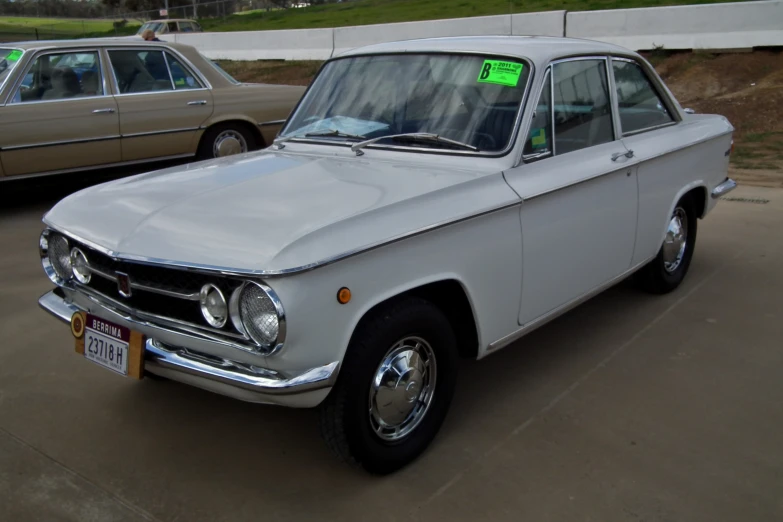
(318, 134)
(412, 136)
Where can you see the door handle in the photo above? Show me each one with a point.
(617, 155)
(102, 111)
(197, 102)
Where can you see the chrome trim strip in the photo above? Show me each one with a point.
(723, 188)
(58, 143)
(647, 129)
(168, 68)
(159, 358)
(270, 123)
(241, 272)
(94, 167)
(552, 314)
(230, 374)
(155, 133)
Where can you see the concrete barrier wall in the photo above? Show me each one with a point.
(708, 26)
(295, 44)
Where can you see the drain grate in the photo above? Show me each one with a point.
(758, 201)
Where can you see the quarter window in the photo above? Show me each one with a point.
(583, 110)
(539, 140)
(640, 106)
(61, 76)
(183, 78)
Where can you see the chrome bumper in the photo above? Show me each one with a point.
(239, 380)
(724, 188)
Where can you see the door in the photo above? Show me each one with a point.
(648, 128)
(162, 103)
(578, 184)
(60, 117)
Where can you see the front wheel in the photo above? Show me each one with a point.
(226, 139)
(395, 387)
(665, 273)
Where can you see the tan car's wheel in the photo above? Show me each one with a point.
(226, 140)
(395, 386)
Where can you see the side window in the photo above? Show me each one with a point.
(172, 27)
(539, 140)
(186, 27)
(60, 76)
(583, 109)
(140, 71)
(640, 106)
(183, 78)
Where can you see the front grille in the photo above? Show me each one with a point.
(183, 307)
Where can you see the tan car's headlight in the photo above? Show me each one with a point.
(55, 257)
(257, 312)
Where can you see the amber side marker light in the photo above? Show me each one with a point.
(343, 295)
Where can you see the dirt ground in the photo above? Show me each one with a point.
(747, 88)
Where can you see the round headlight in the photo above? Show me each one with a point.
(58, 257)
(260, 315)
(80, 265)
(213, 305)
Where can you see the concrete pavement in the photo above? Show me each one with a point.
(631, 407)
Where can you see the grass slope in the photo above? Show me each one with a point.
(364, 12)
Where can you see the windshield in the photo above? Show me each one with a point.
(155, 27)
(471, 99)
(8, 60)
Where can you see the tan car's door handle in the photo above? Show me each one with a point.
(102, 111)
(198, 102)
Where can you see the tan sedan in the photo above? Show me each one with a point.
(85, 104)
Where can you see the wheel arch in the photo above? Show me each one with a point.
(242, 121)
(452, 298)
(697, 190)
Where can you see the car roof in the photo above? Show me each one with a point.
(90, 42)
(539, 49)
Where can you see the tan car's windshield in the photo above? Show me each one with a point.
(155, 27)
(471, 99)
(8, 60)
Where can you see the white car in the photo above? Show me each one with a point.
(427, 200)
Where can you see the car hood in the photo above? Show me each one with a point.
(272, 211)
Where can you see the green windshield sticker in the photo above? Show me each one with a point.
(179, 81)
(538, 138)
(13, 56)
(501, 73)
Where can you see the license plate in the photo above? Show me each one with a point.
(107, 351)
(109, 345)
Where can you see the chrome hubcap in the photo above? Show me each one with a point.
(228, 143)
(402, 388)
(676, 240)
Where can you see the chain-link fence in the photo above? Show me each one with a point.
(27, 23)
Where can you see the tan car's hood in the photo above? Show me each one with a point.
(272, 211)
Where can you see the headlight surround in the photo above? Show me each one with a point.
(257, 312)
(55, 257)
(80, 266)
(213, 305)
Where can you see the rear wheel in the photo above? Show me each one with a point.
(665, 273)
(226, 139)
(394, 389)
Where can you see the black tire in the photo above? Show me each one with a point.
(654, 277)
(206, 146)
(345, 417)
